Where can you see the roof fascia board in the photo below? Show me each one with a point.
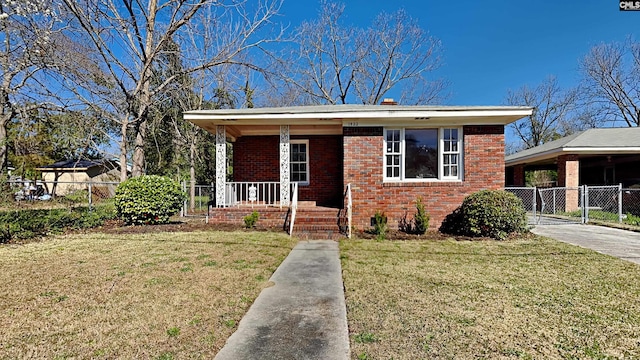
(62, 169)
(378, 114)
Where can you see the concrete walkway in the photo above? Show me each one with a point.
(615, 242)
(303, 316)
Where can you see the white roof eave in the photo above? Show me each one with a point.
(571, 151)
(471, 116)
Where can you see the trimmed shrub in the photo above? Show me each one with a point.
(490, 213)
(380, 225)
(148, 199)
(421, 218)
(251, 220)
(420, 222)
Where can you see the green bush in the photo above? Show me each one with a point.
(26, 224)
(491, 213)
(148, 199)
(251, 220)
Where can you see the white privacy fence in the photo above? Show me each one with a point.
(581, 204)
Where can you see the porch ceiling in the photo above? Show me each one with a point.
(236, 131)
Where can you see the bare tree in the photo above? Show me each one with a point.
(611, 82)
(128, 37)
(332, 63)
(397, 51)
(26, 48)
(553, 115)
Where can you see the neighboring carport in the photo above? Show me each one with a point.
(603, 156)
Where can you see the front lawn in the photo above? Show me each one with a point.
(533, 298)
(150, 296)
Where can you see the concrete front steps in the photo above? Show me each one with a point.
(316, 223)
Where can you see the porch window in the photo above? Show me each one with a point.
(299, 161)
(423, 154)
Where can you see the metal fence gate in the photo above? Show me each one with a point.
(582, 204)
(560, 205)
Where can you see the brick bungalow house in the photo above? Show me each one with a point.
(382, 157)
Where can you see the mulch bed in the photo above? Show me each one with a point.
(118, 227)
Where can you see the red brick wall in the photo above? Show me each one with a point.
(515, 175)
(256, 158)
(483, 169)
(325, 170)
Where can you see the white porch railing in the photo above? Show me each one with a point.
(294, 206)
(251, 193)
(345, 214)
(349, 211)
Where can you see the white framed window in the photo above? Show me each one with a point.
(299, 161)
(423, 154)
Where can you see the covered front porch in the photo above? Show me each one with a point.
(269, 165)
(288, 170)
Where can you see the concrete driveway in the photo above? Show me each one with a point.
(615, 242)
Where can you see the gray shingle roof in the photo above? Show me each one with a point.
(592, 140)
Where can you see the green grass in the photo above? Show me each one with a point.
(600, 215)
(150, 296)
(533, 298)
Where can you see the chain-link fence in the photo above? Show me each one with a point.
(561, 203)
(602, 203)
(529, 197)
(630, 202)
(198, 205)
(83, 192)
(586, 204)
(583, 204)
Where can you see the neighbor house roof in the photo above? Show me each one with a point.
(605, 141)
(356, 115)
(75, 164)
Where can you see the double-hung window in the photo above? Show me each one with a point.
(415, 154)
(299, 161)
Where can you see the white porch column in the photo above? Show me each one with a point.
(221, 164)
(284, 165)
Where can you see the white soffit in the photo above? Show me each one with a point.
(360, 115)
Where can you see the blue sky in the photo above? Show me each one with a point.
(491, 46)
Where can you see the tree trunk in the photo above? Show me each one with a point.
(123, 149)
(138, 150)
(4, 120)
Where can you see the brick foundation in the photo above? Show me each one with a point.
(270, 217)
